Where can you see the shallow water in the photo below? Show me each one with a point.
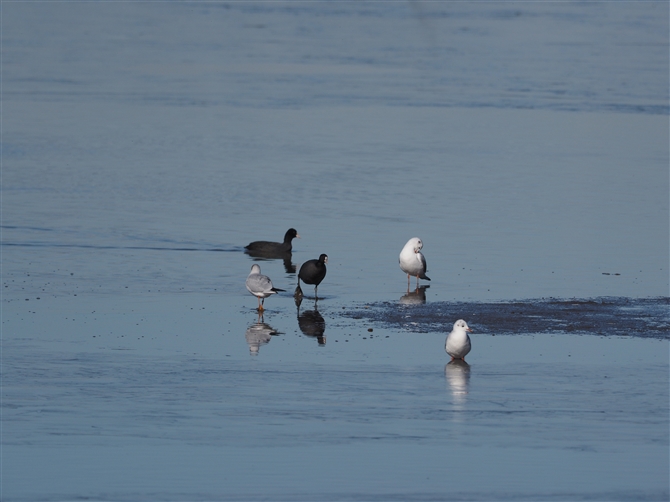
(176, 407)
(144, 144)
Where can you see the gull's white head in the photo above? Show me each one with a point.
(461, 324)
(255, 269)
(416, 244)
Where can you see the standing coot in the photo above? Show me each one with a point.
(312, 272)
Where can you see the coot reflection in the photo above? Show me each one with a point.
(312, 324)
(289, 266)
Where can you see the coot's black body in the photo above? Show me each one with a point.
(312, 272)
(268, 249)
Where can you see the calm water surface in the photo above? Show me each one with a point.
(145, 144)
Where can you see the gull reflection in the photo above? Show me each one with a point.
(416, 297)
(312, 324)
(457, 373)
(259, 334)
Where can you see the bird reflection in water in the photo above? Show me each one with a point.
(259, 334)
(312, 324)
(457, 373)
(416, 297)
(285, 257)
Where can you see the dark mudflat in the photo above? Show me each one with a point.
(646, 317)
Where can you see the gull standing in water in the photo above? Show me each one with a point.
(458, 341)
(260, 286)
(412, 261)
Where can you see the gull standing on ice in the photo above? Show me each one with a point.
(260, 286)
(458, 341)
(412, 261)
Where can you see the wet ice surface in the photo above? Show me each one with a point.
(144, 145)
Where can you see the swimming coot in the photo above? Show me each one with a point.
(268, 249)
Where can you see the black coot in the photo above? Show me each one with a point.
(312, 272)
(273, 249)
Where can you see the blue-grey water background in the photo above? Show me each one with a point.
(145, 143)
